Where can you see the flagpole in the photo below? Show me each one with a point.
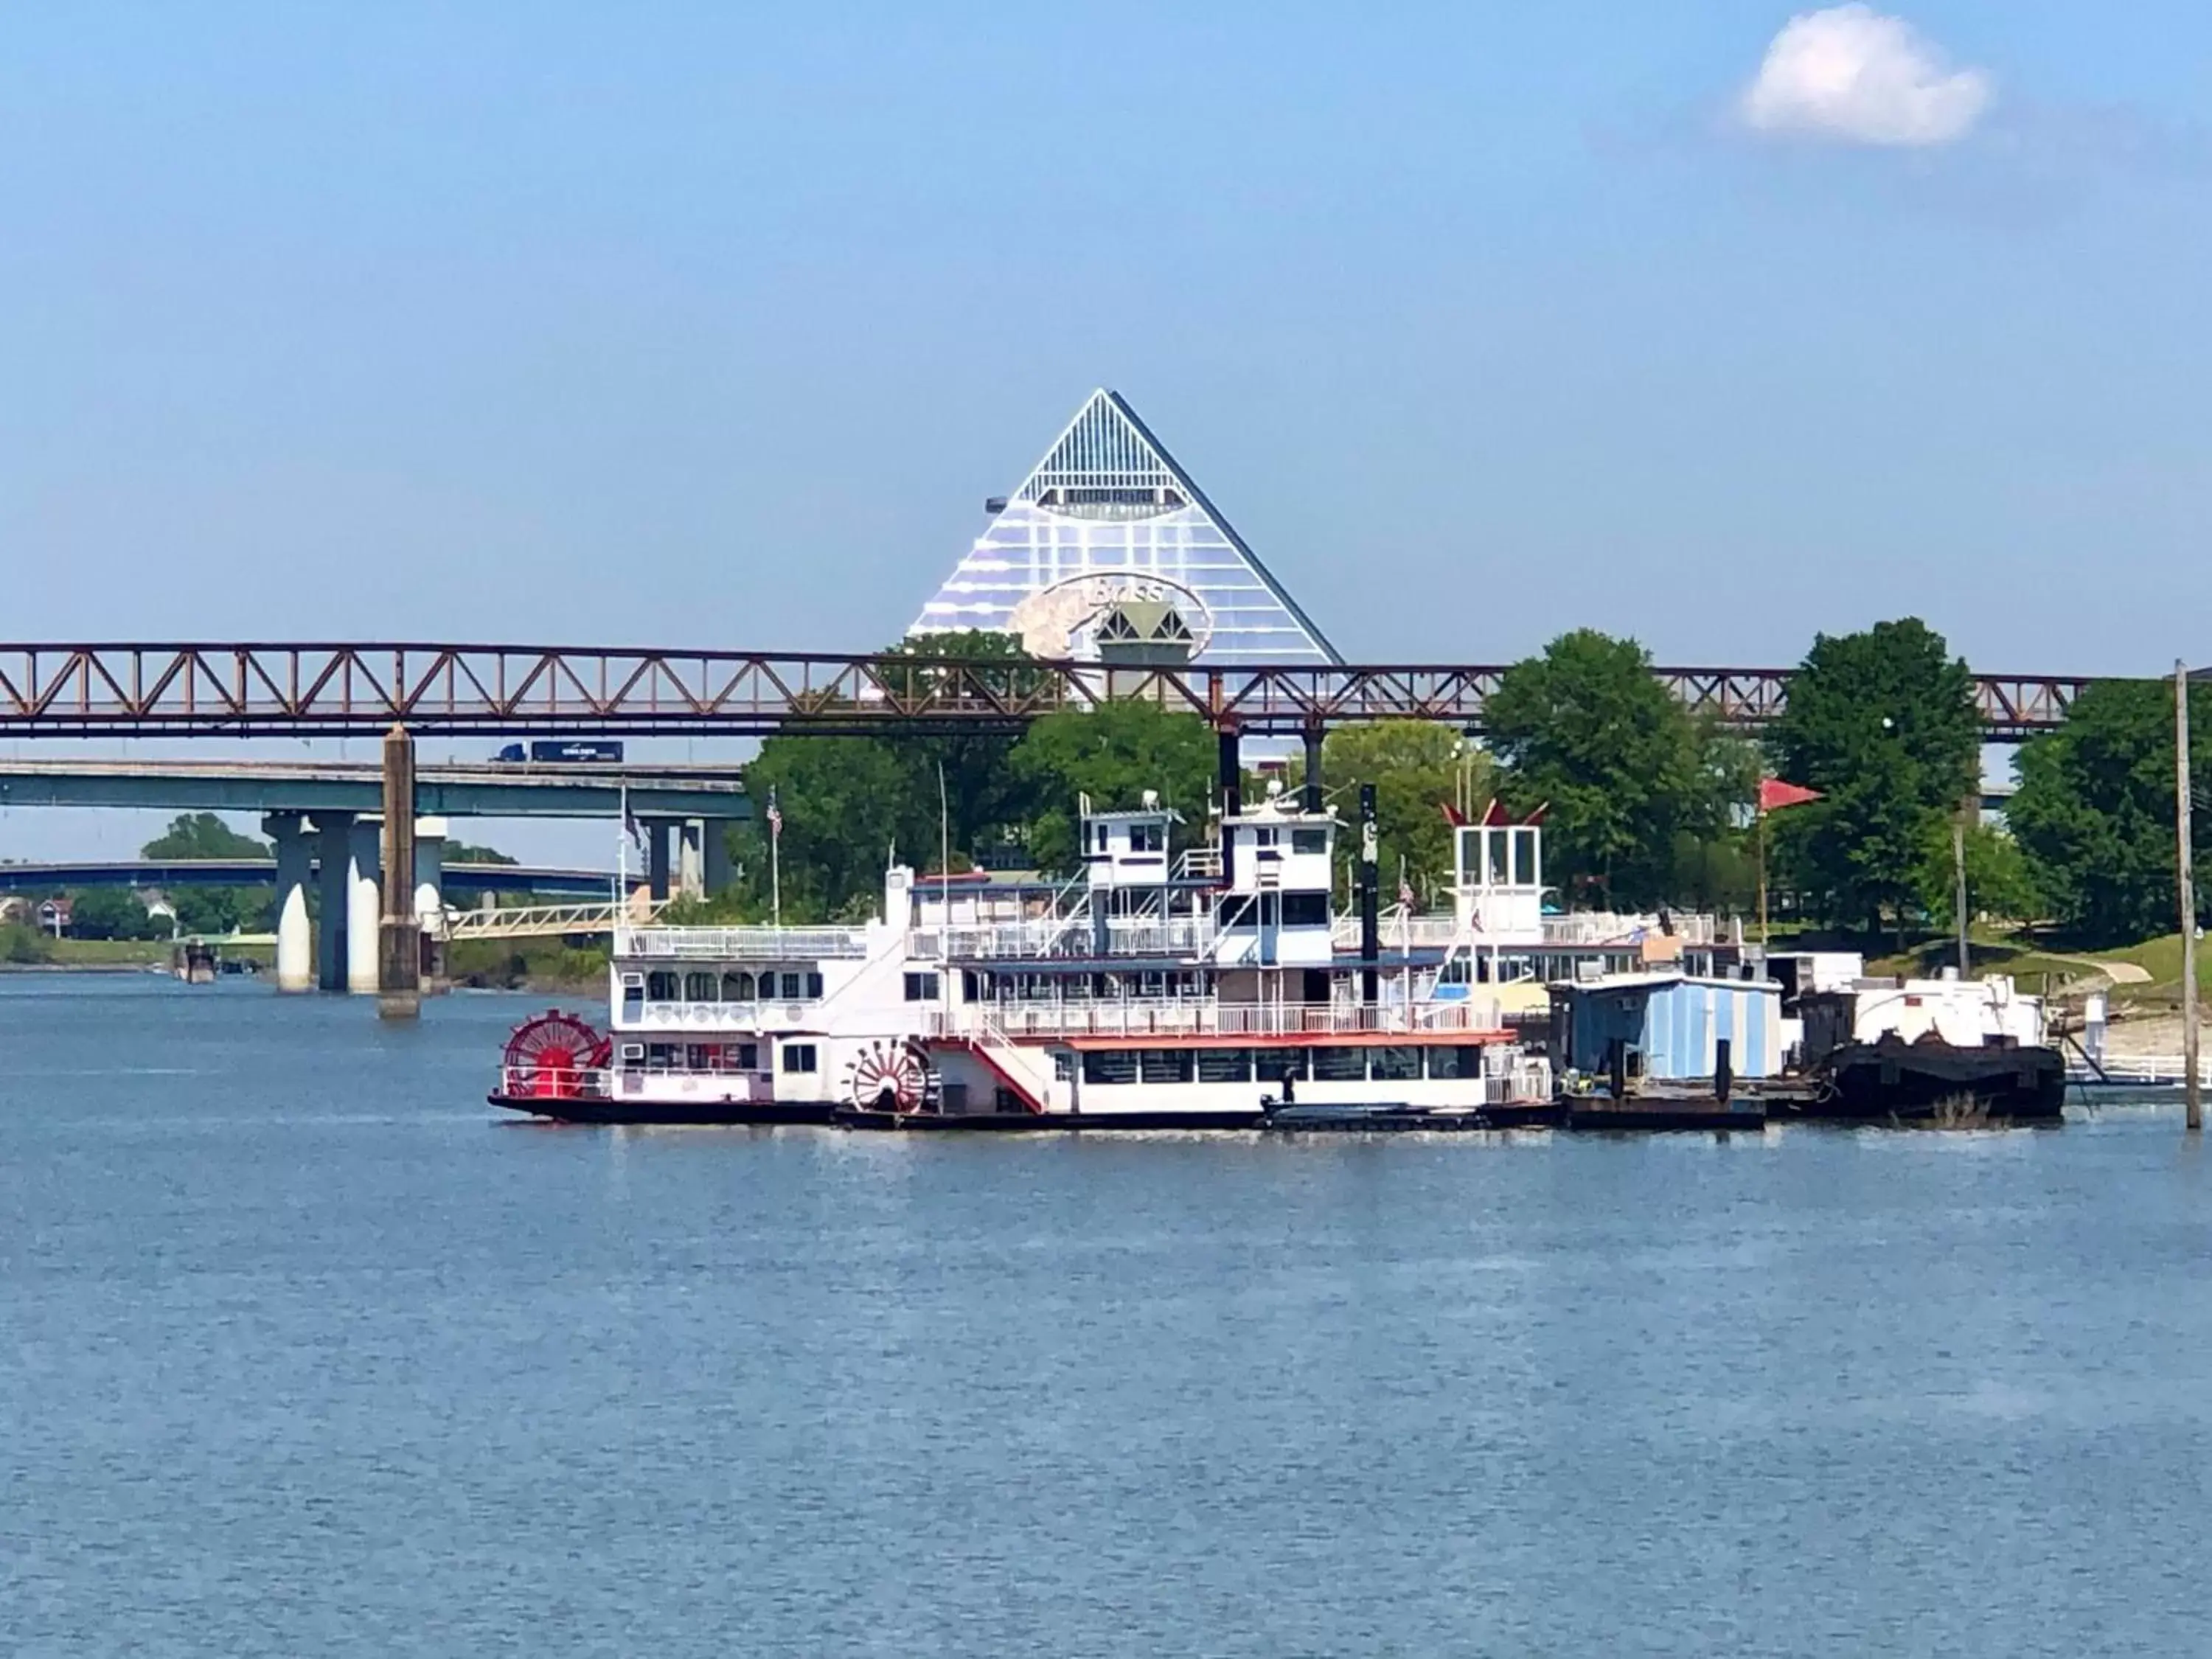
(775, 857)
(1765, 934)
(622, 854)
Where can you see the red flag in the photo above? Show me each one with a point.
(1774, 794)
(1453, 816)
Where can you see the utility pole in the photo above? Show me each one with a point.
(2192, 1094)
(1971, 804)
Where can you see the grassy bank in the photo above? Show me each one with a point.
(528, 965)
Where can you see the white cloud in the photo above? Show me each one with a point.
(1853, 74)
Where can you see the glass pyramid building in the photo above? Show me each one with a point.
(1109, 516)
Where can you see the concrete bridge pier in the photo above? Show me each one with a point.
(295, 953)
(717, 875)
(656, 856)
(399, 924)
(431, 899)
(364, 905)
(691, 858)
(333, 845)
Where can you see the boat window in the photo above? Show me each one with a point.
(1110, 1066)
(921, 987)
(700, 988)
(1455, 1061)
(1263, 838)
(1309, 841)
(748, 1056)
(1305, 910)
(1063, 1065)
(1393, 1064)
(657, 1054)
(1165, 1065)
(703, 1056)
(1147, 837)
(633, 1051)
(798, 1057)
(1225, 1064)
(1273, 1065)
(814, 986)
(737, 986)
(1340, 1064)
(660, 985)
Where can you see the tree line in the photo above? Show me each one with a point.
(1646, 804)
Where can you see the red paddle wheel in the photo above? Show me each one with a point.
(548, 1056)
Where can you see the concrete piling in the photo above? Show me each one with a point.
(399, 928)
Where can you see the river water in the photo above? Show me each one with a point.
(303, 1351)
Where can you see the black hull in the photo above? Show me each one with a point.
(1304, 1120)
(1935, 1082)
(759, 1114)
(1666, 1117)
(1037, 1122)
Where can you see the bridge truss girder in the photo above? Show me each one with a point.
(331, 690)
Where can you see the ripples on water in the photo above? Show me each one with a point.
(303, 1352)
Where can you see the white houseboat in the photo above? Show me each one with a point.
(1216, 987)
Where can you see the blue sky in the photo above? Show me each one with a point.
(710, 325)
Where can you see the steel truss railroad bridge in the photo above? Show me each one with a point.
(280, 691)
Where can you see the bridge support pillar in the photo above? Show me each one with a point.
(656, 856)
(716, 874)
(430, 899)
(691, 858)
(296, 952)
(334, 855)
(364, 907)
(398, 928)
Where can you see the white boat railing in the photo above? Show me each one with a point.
(2150, 1071)
(744, 944)
(1168, 1017)
(702, 1015)
(1046, 938)
(555, 1082)
(1608, 927)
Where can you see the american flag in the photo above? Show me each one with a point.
(774, 817)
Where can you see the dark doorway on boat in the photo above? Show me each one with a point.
(1316, 985)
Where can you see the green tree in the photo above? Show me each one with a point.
(2094, 813)
(21, 944)
(1883, 724)
(202, 836)
(1998, 883)
(462, 852)
(846, 807)
(1626, 770)
(983, 794)
(1112, 753)
(848, 801)
(1418, 768)
(111, 913)
(213, 909)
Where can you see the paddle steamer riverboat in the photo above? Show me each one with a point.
(1217, 987)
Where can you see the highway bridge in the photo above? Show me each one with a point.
(456, 877)
(650, 791)
(331, 690)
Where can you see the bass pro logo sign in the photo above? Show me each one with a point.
(1059, 621)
